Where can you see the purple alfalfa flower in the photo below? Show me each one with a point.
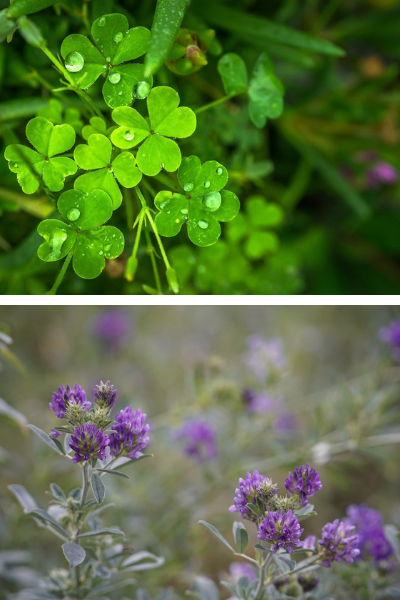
(286, 423)
(113, 328)
(309, 542)
(258, 402)
(381, 173)
(199, 439)
(338, 542)
(88, 443)
(370, 530)
(304, 481)
(390, 335)
(241, 569)
(65, 396)
(249, 490)
(264, 357)
(105, 395)
(281, 529)
(131, 433)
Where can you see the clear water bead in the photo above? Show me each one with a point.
(219, 171)
(129, 135)
(73, 214)
(212, 201)
(101, 22)
(74, 62)
(118, 37)
(188, 187)
(202, 224)
(114, 77)
(207, 184)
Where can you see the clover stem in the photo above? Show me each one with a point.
(128, 208)
(61, 274)
(140, 196)
(85, 18)
(60, 67)
(214, 103)
(150, 251)
(160, 244)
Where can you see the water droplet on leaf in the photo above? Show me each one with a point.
(188, 187)
(129, 135)
(163, 205)
(73, 214)
(141, 90)
(114, 77)
(184, 211)
(101, 252)
(56, 240)
(202, 224)
(219, 171)
(108, 59)
(118, 37)
(101, 22)
(207, 184)
(212, 201)
(74, 62)
(107, 248)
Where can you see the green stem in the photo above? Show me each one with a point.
(128, 208)
(61, 274)
(140, 196)
(214, 103)
(85, 489)
(160, 244)
(60, 67)
(150, 250)
(259, 590)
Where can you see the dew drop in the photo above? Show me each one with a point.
(108, 58)
(162, 165)
(101, 252)
(202, 224)
(212, 200)
(114, 77)
(163, 205)
(188, 187)
(129, 135)
(56, 240)
(184, 211)
(141, 90)
(207, 184)
(86, 193)
(74, 62)
(219, 171)
(107, 248)
(104, 66)
(14, 165)
(73, 214)
(119, 93)
(118, 37)
(101, 22)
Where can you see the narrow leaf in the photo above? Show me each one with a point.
(111, 472)
(23, 497)
(103, 531)
(240, 535)
(98, 488)
(142, 561)
(217, 534)
(44, 437)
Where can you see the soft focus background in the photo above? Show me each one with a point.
(331, 398)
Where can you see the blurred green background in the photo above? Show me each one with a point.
(339, 383)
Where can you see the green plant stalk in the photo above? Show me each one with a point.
(61, 274)
(60, 67)
(160, 244)
(296, 570)
(150, 251)
(259, 590)
(214, 103)
(85, 489)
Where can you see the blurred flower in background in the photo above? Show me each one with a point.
(241, 569)
(371, 535)
(390, 335)
(265, 358)
(113, 328)
(199, 439)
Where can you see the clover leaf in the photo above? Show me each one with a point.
(115, 45)
(55, 113)
(201, 205)
(253, 228)
(96, 158)
(265, 91)
(166, 120)
(32, 166)
(84, 233)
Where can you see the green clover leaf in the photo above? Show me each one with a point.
(85, 235)
(55, 113)
(166, 120)
(115, 45)
(253, 228)
(96, 157)
(33, 167)
(265, 91)
(202, 205)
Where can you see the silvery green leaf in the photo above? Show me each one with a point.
(254, 509)
(98, 488)
(45, 438)
(229, 587)
(44, 516)
(102, 531)
(74, 553)
(67, 441)
(142, 561)
(217, 534)
(142, 594)
(206, 588)
(23, 497)
(111, 472)
(240, 536)
(107, 587)
(392, 534)
(290, 564)
(102, 571)
(8, 411)
(261, 547)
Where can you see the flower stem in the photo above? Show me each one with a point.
(260, 585)
(150, 252)
(160, 244)
(84, 493)
(60, 276)
(214, 103)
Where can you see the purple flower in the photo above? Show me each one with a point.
(391, 336)
(382, 172)
(88, 443)
(338, 542)
(199, 439)
(264, 357)
(54, 434)
(104, 394)
(250, 489)
(304, 481)
(370, 530)
(281, 529)
(241, 569)
(309, 542)
(258, 402)
(113, 328)
(131, 433)
(286, 423)
(64, 396)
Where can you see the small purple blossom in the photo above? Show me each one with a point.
(54, 434)
(286, 423)
(258, 402)
(304, 481)
(131, 435)
(390, 335)
(199, 439)
(248, 492)
(105, 394)
(370, 530)
(382, 173)
(309, 542)
(338, 542)
(281, 529)
(64, 396)
(241, 569)
(264, 357)
(88, 443)
(112, 328)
